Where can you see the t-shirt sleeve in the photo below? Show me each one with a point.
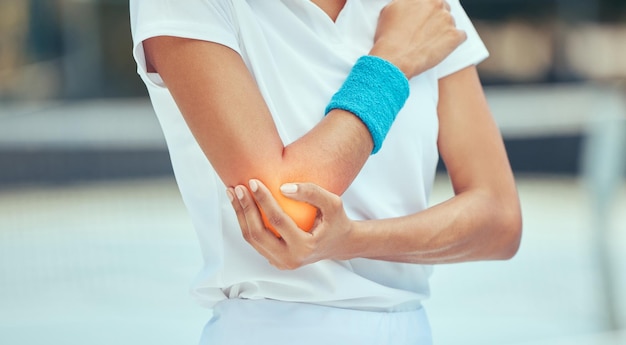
(208, 20)
(471, 52)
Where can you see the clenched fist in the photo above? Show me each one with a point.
(416, 35)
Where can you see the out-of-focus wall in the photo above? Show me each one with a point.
(14, 56)
(597, 51)
(551, 41)
(66, 49)
(81, 49)
(523, 51)
(73, 49)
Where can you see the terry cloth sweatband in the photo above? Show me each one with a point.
(374, 91)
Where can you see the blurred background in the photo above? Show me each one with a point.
(96, 247)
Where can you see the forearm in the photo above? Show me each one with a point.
(229, 118)
(473, 225)
(330, 155)
(232, 124)
(483, 220)
(335, 150)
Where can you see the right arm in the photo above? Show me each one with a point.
(229, 119)
(231, 122)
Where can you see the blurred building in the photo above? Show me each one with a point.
(68, 50)
(53, 49)
(551, 41)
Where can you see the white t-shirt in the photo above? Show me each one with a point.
(299, 58)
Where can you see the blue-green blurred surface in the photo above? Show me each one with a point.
(110, 263)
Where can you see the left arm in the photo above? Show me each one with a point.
(481, 222)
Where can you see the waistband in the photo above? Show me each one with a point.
(241, 321)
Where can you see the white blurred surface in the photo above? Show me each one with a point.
(110, 263)
(105, 263)
(548, 293)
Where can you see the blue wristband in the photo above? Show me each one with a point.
(374, 91)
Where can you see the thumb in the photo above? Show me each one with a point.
(312, 194)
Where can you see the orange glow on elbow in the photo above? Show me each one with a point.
(302, 213)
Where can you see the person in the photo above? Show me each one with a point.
(323, 121)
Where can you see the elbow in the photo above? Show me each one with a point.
(511, 242)
(509, 232)
(502, 225)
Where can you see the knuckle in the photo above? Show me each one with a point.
(275, 220)
(457, 37)
(293, 264)
(254, 237)
(283, 266)
(246, 207)
(462, 35)
(315, 191)
(309, 249)
(279, 265)
(336, 202)
(450, 18)
(260, 197)
(251, 237)
(435, 3)
(452, 32)
(247, 236)
(445, 18)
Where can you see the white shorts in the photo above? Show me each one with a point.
(265, 322)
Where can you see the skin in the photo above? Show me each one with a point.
(226, 113)
(230, 120)
(481, 222)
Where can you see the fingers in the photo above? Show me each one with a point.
(327, 202)
(460, 35)
(285, 253)
(448, 13)
(274, 214)
(241, 218)
(446, 5)
(297, 247)
(251, 223)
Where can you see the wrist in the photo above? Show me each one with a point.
(392, 54)
(375, 91)
(358, 239)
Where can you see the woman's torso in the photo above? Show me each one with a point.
(299, 58)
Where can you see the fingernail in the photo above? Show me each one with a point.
(253, 186)
(239, 192)
(289, 188)
(230, 196)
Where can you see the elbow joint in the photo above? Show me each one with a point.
(511, 235)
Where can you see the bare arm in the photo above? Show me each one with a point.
(227, 115)
(481, 222)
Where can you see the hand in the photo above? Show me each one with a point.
(416, 35)
(329, 238)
